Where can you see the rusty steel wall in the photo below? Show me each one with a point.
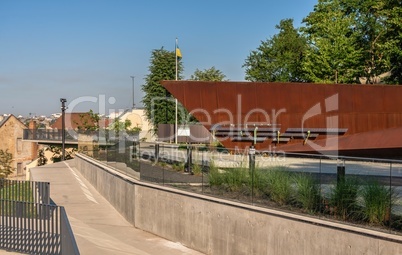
(359, 108)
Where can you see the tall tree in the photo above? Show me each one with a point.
(5, 163)
(158, 102)
(278, 58)
(370, 23)
(393, 12)
(333, 55)
(211, 74)
(88, 121)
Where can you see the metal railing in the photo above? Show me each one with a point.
(29, 191)
(29, 223)
(340, 187)
(48, 135)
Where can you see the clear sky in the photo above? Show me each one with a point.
(87, 50)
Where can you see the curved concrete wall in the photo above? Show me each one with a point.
(216, 226)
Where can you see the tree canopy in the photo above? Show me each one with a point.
(5, 163)
(211, 74)
(342, 41)
(278, 58)
(333, 54)
(159, 104)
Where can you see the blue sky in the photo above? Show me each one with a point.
(87, 50)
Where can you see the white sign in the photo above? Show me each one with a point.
(183, 131)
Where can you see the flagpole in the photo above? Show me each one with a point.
(175, 127)
(175, 51)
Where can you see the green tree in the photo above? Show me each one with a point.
(5, 163)
(278, 58)
(57, 153)
(126, 126)
(42, 160)
(211, 74)
(371, 23)
(393, 12)
(158, 102)
(89, 121)
(333, 55)
(354, 41)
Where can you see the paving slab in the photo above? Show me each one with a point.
(97, 226)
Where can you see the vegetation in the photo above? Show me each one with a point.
(342, 41)
(279, 185)
(57, 153)
(308, 192)
(17, 192)
(377, 201)
(343, 198)
(211, 74)
(333, 54)
(88, 121)
(158, 102)
(126, 126)
(348, 199)
(42, 160)
(278, 58)
(5, 164)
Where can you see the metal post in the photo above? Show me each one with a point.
(188, 159)
(251, 155)
(390, 195)
(133, 77)
(156, 152)
(63, 127)
(340, 172)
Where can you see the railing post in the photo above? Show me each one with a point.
(340, 172)
(63, 128)
(189, 159)
(156, 154)
(251, 155)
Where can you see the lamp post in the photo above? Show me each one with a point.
(63, 128)
(133, 77)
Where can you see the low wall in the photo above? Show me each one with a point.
(215, 226)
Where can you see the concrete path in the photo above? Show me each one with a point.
(97, 226)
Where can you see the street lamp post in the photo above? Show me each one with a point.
(133, 77)
(63, 128)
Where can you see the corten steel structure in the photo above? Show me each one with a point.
(359, 120)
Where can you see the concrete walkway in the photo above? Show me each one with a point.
(97, 226)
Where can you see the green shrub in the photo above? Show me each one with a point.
(343, 198)
(260, 182)
(279, 185)
(377, 202)
(215, 178)
(307, 193)
(235, 179)
(178, 166)
(197, 169)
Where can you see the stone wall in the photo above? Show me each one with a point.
(11, 134)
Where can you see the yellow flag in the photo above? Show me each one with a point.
(178, 53)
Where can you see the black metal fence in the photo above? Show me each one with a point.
(49, 135)
(362, 191)
(29, 223)
(28, 191)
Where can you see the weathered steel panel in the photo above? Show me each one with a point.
(359, 108)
